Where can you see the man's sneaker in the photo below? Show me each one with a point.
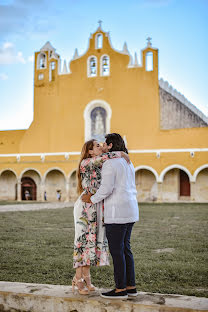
(132, 292)
(115, 295)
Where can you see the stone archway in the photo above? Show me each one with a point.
(8, 185)
(35, 182)
(55, 185)
(176, 185)
(28, 189)
(146, 185)
(201, 188)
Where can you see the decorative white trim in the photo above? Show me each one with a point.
(38, 61)
(171, 150)
(30, 169)
(175, 166)
(168, 88)
(51, 169)
(90, 106)
(125, 49)
(101, 65)
(39, 154)
(76, 55)
(88, 66)
(7, 169)
(198, 170)
(150, 169)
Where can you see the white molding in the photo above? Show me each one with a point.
(175, 166)
(8, 169)
(150, 169)
(88, 66)
(30, 169)
(39, 154)
(171, 150)
(52, 169)
(180, 97)
(197, 171)
(90, 106)
(101, 67)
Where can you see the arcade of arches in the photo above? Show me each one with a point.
(56, 186)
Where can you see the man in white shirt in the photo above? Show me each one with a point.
(120, 212)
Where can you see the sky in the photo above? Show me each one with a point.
(178, 28)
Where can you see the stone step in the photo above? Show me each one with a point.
(25, 297)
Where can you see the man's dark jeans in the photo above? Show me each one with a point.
(118, 236)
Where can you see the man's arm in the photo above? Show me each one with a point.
(106, 187)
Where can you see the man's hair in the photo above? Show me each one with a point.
(117, 141)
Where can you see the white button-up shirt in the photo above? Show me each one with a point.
(118, 190)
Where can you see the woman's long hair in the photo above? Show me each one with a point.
(84, 154)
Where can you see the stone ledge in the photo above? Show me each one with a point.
(25, 297)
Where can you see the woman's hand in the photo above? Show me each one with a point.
(126, 157)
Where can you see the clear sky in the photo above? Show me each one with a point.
(178, 28)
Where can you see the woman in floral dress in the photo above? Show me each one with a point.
(90, 243)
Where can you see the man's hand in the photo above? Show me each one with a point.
(86, 198)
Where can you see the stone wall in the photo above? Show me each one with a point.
(174, 114)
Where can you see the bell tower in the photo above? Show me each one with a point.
(46, 65)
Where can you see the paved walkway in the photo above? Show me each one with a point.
(35, 206)
(58, 298)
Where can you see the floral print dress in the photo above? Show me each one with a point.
(90, 243)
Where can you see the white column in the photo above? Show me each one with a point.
(19, 190)
(159, 192)
(67, 192)
(42, 189)
(193, 190)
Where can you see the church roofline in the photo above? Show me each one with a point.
(168, 88)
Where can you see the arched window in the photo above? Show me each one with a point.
(149, 61)
(92, 66)
(97, 115)
(41, 61)
(105, 65)
(99, 41)
(98, 123)
(52, 71)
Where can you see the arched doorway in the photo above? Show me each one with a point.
(35, 176)
(28, 189)
(55, 185)
(146, 185)
(201, 192)
(8, 185)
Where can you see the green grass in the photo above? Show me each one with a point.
(37, 247)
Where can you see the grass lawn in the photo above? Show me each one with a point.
(169, 244)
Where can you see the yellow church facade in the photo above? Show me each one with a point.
(103, 91)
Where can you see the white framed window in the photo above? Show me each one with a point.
(41, 76)
(92, 66)
(41, 61)
(105, 65)
(52, 71)
(97, 116)
(149, 61)
(99, 41)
